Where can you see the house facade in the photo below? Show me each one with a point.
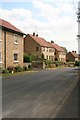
(11, 45)
(37, 45)
(60, 54)
(72, 56)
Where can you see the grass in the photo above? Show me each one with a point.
(17, 73)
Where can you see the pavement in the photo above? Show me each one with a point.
(38, 95)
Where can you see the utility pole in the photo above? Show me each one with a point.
(78, 16)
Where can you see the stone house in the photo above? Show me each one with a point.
(11, 45)
(72, 56)
(33, 44)
(60, 54)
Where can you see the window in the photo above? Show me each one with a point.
(55, 53)
(15, 56)
(47, 49)
(43, 48)
(15, 38)
(47, 57)
(0, 57)
(37, 49)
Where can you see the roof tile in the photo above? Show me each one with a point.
(9, 26)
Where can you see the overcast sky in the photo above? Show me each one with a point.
(52, 19)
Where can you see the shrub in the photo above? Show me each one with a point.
(25, 68)
(42, 56)
(77, 63)
(10, 69)
(5, 71)
(18, 69)
(30, 67)
(48, 63)
(32, 58)
(1, 69)
(26, 58)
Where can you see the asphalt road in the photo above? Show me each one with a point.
(37, 95)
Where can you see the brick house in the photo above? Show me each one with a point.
(11, 45)
(33, 44)
(72, 56)
(60, 54)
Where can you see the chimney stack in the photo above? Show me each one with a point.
(73, 51)
(33, 33)
(52, 41)
(36, 35)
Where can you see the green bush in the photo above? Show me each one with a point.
(77, 63)
(47, 63)
(25, 68)
(29, 67)
(18, 69)
(5, 71)
(42, 56)
(28, 58)
(10, 69)
(58, 63)
(32, 57)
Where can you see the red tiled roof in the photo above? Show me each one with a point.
(41, 41)
(9, 26)
(57, 47)
(74, 54)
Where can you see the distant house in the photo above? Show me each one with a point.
(72, 56)
(33, 44)
(11, 45)
(60, 54)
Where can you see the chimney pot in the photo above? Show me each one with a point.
(33, 33)
(52, 41)
(36, 35)
(73, 51)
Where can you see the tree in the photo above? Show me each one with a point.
(42, 56)
(64, 48)
(26, 58)
(32, 57)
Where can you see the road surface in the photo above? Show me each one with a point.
(37, 95)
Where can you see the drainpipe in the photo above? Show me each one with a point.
(5, 49)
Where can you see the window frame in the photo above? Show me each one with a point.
(37, 48)
(16, 60)
(16, 39)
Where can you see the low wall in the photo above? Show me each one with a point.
(38, 64)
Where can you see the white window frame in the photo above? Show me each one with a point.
(16, 61)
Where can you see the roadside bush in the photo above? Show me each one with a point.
(29, 67)
(18, 69)
(47, 63)
(26, 58)
(77, 63)
(58, 63)
(1, 69)
(25, 68)
(10, 69)
(5, 71)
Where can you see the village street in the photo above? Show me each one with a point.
(38, 95)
